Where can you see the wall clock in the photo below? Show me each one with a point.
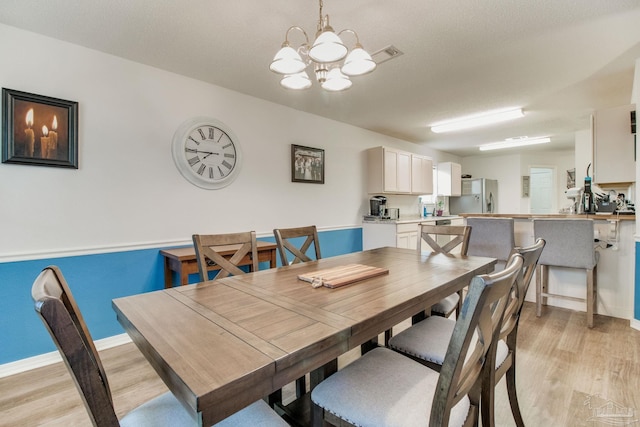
(207, 153)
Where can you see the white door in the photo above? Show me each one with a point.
(542, 190)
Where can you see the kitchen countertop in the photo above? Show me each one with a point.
(605, 217)
(409, 219)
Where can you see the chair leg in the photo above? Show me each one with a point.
(591, 296)
(539, 274)
(512, 392)
(317, 415)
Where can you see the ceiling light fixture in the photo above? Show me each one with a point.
(332, 61)
(476, 120)
(514, 142)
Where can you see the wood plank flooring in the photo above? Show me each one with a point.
(565, 373)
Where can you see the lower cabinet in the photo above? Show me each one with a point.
(407, 236)
(403, 235)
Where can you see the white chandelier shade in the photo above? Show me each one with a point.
(296, 81)
(328, 53)
(287, 61)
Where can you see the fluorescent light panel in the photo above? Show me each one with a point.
(510, 143)
(476, 120)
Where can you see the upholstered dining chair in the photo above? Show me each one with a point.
(300, 253)
(427, 341)
(57, 308)
(570, 244)
(208, 245)
(386, 388)
(459, 238)
(491, 237)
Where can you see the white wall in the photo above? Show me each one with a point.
(508, 169)
(127, 191)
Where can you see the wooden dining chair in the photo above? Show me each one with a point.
(207, 247)
(284, 237)
(505, 352)
(386, 388)
(452, 236)
(427, 342)
(59, 312)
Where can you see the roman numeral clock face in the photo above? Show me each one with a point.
(206, 153)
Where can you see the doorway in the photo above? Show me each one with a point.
(543, 198)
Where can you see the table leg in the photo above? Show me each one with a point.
(272, 260)
(168, 276)
(184, 277)
(323, 372)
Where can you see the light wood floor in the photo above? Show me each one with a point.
(565, 372)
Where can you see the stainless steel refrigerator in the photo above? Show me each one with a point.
(479, 195)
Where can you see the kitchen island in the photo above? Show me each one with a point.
(615, 269)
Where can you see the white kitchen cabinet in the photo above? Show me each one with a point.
(613, 146)
(389, 171)
(421, 174)
(449, 179)
(407, 235)
(399, 234)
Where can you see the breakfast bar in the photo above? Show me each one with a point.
(615, 243)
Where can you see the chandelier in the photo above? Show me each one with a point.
(332, 61)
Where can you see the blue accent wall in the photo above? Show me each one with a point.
(95, 280)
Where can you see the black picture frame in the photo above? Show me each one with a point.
(307, 164)
(39, 130)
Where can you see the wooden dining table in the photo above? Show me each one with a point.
(230, 342)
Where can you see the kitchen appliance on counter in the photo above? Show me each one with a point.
(378, 206)
(479, 195)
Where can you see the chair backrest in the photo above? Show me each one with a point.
(569, 242)
(475, 331)
(530, 255)
(491, 237)
(59, 312)
(428, 234)
(208, 247)
(283, 240)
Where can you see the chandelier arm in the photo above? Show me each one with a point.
(295, 27)
(347, 30)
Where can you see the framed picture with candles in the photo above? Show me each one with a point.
(39, 130)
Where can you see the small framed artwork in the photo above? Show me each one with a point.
(307, 164)
(39, 130)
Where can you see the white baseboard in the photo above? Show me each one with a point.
(41, 360)
(635, 324)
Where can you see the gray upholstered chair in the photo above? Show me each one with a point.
(570, 244)
(57, 308)
(458, 238)
(427, 341)
(491, 237)
(385, 388)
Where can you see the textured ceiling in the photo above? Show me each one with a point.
(557, 59)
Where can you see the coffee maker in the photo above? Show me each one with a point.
(378, 206)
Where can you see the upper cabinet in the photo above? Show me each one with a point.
(614, 159)
(391, 171)
(449, 179)
(421, 174)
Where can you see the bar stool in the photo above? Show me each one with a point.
(491, 237)
(569, 245)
